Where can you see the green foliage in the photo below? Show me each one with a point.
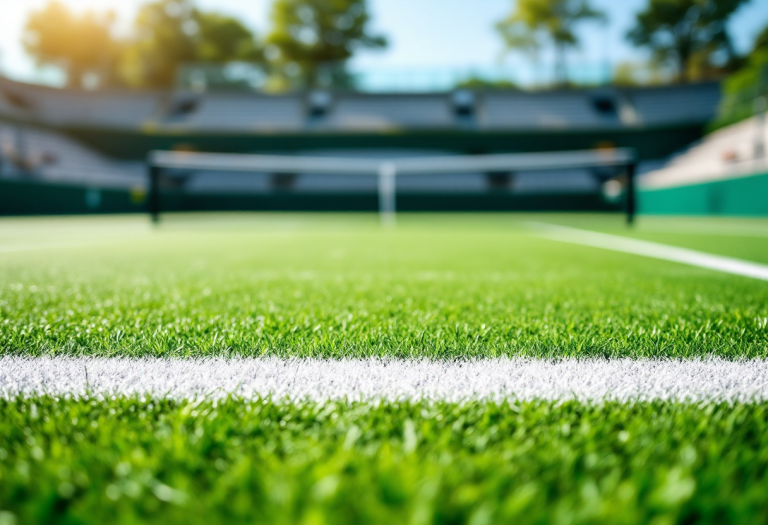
(761, 42)
(173, 32)
(689, 34)
(167, 33)
(451, 286)
(80, 44)
(476, 82)
(127, 461)
(742, 88)
(632, 73)
(165, 38)
(313, 38)
(225, 39)
(535, 21)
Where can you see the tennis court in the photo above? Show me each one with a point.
(458, 366)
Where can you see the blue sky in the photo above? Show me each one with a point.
(422, 33)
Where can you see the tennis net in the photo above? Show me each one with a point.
(177, 166)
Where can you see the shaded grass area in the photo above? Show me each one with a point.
(437, 286)
(156, 461)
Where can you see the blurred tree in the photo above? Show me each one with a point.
(480, 83)
(311, 40)
(642, 73)
(761, 42)
(79, 44)
(691, 34)
(165, 36)
(534, 21)
(225, 39)
(169, 33)
(742, 88)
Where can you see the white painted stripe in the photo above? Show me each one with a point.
(90, 243)
(711, 379)
(618, 243)
(42, 246)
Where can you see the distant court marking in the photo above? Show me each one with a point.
(495, 380)
(94, 241)
(46, 246)
(665, 252)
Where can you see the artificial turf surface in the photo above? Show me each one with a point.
(437, 286)
(341, 286)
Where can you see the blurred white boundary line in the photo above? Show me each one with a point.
(618, 243)
(495, 380)
(94, 242)
(43, 246)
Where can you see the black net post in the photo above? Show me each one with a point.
(631, 198)
(154, 192)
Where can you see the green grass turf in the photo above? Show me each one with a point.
(312, 285)
(438, 286)
(138, 461)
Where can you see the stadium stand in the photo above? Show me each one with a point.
(665, 105)
(62, 107)
(575, 109)
(101, 138)
(723, 154)
(558, 110)
(726, 173)
(45, 156)
(235, 112)
(358, 111)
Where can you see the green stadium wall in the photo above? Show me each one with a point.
(742, 196)
(27, 197)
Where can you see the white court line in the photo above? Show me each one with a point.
(625, 380)
(86, 243)
(665, 252)
(93, 242)
(43, 246)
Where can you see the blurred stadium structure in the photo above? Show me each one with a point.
(70, 150)
(182, 78)
(726, 173)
